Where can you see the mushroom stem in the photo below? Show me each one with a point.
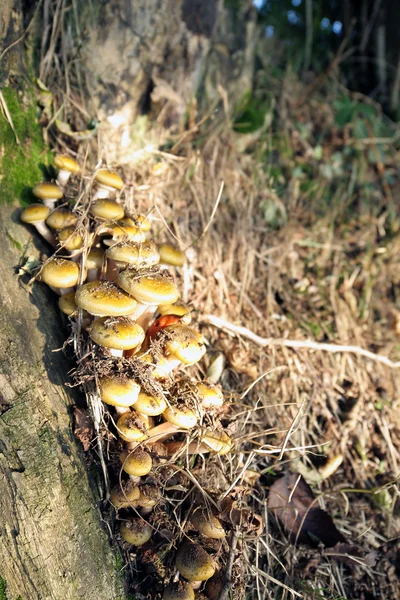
(116, 353)
(61, 291)
(63, 177)
(162, 432)
(50, 202)
(191, 448)
(120, 410)
(45, 232)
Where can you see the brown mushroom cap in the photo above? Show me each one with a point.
(153, 289)
(119, 333)
(109, 179)
(66, 163)
(107, 209)
(35, 213)
(60, 273)
(193, 562)
(169, 255)
(184, 343)
(178, 591)
(61, 218)
(136, 531)
(137, 463)
(47, 191)
(103, 298)
(119, 391)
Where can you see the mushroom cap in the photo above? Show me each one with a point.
(103, 298)
(119, 333)
(150, 405)
(60, 273)
(134, 253)
(150, 495)
(184, 343)
(170, 255)
(66, 163)
(137, 463)
(47, 191)
(180, 309)
(35, 213)
(131, 428)
(140, 221)
(107, 209)
(218, 441)
(61, 218)
(109, 179)
(178, 591)
(136, 531)
(125, 496)
(70, 238)
(193, 562)
(153, 289)
(119, 391)
(207, 524)
(182, 417)
(67, 304)
(209, 394)
(119, 231)
(94, 259)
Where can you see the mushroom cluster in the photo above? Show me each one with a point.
(120, 289)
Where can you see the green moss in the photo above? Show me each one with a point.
(23, 165)
(3, 590)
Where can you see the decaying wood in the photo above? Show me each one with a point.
(52, 544)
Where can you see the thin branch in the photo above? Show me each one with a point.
(4, 108)
(228, 571)
(305, 344)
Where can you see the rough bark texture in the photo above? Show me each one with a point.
(52, 545)
(11, 65)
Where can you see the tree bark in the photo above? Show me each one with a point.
(52, 545)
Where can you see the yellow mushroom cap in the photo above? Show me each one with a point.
(109, 179)
(131, 427)
(184, 343)
(137, 463)
(47, 191)
(94, 259)
(180, 309)
(136, 531)
(170, 255)
(182, 417)
(61, 218)
(193, 562)
(103, 298)
(66, 163)
(178, 591)
(67, 304)
(35, 213)
(70, 238)
(218, 441)
(140, 221)
(125, 496)
(150, 405)
(134, 253)
(119, 231)
(120, 333)
(60, 273)
(209, 394)
(207, 524)
(150, 289)
(119, 391)
(107, 209)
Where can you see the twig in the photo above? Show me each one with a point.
(306, 344)
(228, 571)
(4, 107)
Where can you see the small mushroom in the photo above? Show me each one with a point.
(136, 531)
(193, 562)
(107, 182)
(36, 215)
(66, 165)
(178, 591)
(49, 193)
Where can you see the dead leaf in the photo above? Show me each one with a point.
(83, 428)
(293, 503)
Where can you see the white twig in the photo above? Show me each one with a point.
(305, 344)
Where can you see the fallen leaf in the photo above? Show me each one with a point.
(83, 428)
(293, 503)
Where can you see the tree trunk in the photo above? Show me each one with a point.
(52, 545)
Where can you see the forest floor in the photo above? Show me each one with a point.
(292, 233)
